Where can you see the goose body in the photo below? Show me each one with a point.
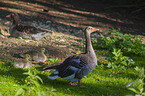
(38, 56)
(25, 31)
(75, 67)
(24, 63)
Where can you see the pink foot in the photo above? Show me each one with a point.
(83, 86)
(73, 84)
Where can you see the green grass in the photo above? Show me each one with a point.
(100, 82)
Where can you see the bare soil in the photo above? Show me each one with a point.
(66, 19)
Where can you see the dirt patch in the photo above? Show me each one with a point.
(66, 19)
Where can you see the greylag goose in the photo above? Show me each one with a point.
(25, 31)
(24, 63)
(38, 56)
(75, 67)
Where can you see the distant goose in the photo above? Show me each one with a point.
(25, 31)
(23, 63)
(38, 56)
(75, 67)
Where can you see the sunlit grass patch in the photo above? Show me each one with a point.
(100, 82)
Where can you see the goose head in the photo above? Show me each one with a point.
(89, 49)
(89, 30)
(15, 17)
(42, 50)
(27, 56)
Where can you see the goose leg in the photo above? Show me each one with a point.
(73, 84)
(79, 84)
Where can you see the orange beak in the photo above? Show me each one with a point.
(8, 15)
(95, 29)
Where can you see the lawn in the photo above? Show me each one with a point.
(114, 71)
(101, 81)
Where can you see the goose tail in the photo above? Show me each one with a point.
(52, 66)
(54, 75)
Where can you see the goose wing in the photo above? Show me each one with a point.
(28, 29)
(71, 66)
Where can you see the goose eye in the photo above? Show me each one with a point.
(89, 28)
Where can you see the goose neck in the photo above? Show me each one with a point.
(15, 21)
(89, 47)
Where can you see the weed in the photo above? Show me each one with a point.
(20, 92)
(118, 61)
(125, 42)
(79, 52)
(33, 81)
(33, 78)
(1, 94)
(109, 42)
(51, 91)
(54, 60)
(137, 85)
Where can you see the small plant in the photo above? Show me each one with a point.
(1, 94)
(33, 81)
(137, 86)
(132, 44)
(33, 78)
(19, 92)
(139, 72)
(51, 91)
(119, 61)
(125, 42)
(79, 52)
(109, 42)
(54, 60)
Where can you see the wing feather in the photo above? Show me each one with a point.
(70, 66)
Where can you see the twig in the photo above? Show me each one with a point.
(137, 10)
(121, 6)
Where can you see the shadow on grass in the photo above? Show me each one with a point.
(8, 70)
(97, 88)
(94, 87)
